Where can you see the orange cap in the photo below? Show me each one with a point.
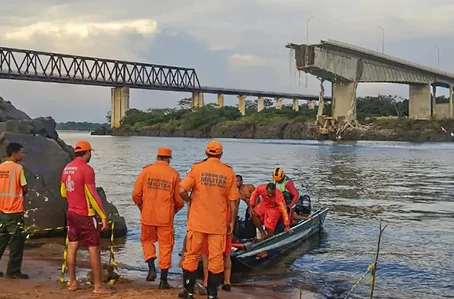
(165, 152)
(214, 148)
(82, 146)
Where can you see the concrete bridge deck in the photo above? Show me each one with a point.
(347, 65)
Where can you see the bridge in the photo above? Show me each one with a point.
(30, 65)
(346, 65)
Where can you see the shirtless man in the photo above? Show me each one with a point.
(245, 191)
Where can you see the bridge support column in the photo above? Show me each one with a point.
(260, 104)
(242, 104)
(419, 103)
(451, 112)
(311, 105)
(220, 100)
(278, 103)
(343, 100)
(197, 99)
(295, 106)
(120, 104)
(434, 99)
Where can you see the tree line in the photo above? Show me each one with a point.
(185, 117)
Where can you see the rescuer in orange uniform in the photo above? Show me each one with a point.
(79, 188)
(214, 192)
(156, 193)
(269, 210)
(13, 187)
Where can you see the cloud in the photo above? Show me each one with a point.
(238, 44)
(79, 30)
(239, 60)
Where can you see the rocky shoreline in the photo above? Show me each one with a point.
(421, 131)
(45, 156)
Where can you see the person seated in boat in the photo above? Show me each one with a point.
(291, 194)
(269, 210)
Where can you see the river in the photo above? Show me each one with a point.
(409, 186)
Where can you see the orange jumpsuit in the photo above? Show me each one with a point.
(156, 194)
(213, 185)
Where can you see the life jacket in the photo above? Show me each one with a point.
(11, 197)
(281, 187)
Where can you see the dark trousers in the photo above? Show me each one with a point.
(11, 236)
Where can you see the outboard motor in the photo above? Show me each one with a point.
(303, 207)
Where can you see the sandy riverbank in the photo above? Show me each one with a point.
(43, 264)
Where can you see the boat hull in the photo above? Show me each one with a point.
(258, 255)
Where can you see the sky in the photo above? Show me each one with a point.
(230, 43)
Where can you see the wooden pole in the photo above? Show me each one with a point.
(374, 270)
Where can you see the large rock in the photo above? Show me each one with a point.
(45, 156)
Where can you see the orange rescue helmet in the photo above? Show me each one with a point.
(83, 146)
(278, 174)
(165, 152)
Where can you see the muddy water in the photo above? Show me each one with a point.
(408, 186)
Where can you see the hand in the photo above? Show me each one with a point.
(230, 227)
(251, 211)
(288, 230)
(104, 224)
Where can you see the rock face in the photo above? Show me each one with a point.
(45, 156)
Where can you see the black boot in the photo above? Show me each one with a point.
(214, 280)
(1, 274)
(164, 285)
(151, 270)
(188, 284)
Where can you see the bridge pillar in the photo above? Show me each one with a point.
(343, 100)
(242, 104)
(260, 104)
(197, 99)
(311, 105)
(296, 106)
(278, 103)
(120, 104)
(419, 103)
(220, 100)
(451, 112)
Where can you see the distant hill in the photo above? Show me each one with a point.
(79, 126)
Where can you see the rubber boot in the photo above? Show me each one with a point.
(189, 279)
(214, 280)
(164, 285)
(151, 270)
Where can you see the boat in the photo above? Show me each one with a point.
(249, 254)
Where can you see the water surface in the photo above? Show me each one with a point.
(409, 186)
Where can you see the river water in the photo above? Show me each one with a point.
(409, 186)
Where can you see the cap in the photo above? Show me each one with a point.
(214, 148)
(82, 146)
(165, 152)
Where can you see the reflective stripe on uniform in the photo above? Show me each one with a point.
(11, 184)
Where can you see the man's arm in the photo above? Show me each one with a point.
(137, 192)
(233, 204)
(282, 207)
(23, 182)
(186, 185)
(92, 195)
(252, 201)
(291, 188)
(178, 201)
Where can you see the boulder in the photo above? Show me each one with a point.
(45, 156)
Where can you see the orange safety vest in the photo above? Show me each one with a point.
(11, 197)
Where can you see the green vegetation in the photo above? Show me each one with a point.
(78, 126)
(183, 118)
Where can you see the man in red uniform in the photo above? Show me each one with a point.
(269, 210)
(79, 188)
